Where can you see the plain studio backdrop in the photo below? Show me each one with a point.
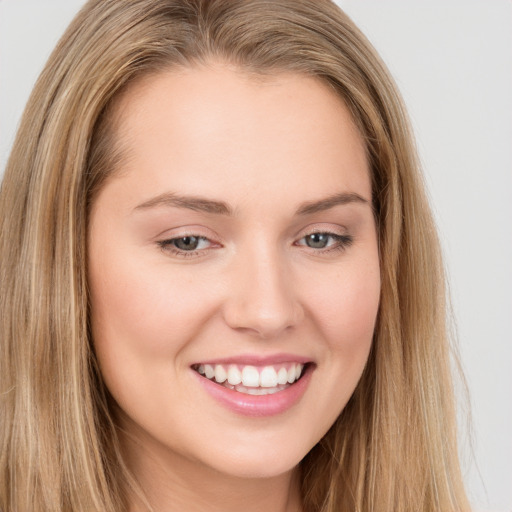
(452, 60)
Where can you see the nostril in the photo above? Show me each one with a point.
(253, 320)
(262, 299)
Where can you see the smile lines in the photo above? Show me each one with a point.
(266, 378)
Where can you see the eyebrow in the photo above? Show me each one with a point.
(330, 202)
(201, 204)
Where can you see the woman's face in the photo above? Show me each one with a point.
(237, 242)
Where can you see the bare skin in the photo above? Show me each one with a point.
(240, 227)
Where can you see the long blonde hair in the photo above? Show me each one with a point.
(393, 448)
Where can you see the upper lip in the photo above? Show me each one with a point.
(257, 359)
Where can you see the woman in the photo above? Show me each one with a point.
(221, 283)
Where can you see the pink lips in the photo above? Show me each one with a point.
(262, 405)
(258, 360)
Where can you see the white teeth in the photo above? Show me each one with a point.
(250, 376)
(234, 375)
(262, 381)
(255, 391)
(291, 374)
(282, 376)
(220, 374)
(268, 377)
(260, 391)
(209, 371)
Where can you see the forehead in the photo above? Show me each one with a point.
(217, 128)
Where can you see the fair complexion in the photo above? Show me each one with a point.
(238, 232)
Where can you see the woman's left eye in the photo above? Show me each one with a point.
(326, 241)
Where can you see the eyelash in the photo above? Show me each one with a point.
(168, 246)
(341, 243)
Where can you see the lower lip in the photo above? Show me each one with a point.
(262, 405)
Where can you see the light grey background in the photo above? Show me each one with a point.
(452, 60)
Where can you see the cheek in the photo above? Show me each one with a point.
(346, 309)
(343, 307)
(141, 307)
(142, 318)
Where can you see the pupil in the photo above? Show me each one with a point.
(317, 240)
(187, 243)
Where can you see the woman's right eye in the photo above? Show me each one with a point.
(186, 245)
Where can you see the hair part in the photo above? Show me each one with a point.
(393, 448)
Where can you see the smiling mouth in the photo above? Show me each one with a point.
(253, 380)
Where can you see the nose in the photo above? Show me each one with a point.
(262, 299)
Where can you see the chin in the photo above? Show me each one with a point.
(271, 467)
(254, 460)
